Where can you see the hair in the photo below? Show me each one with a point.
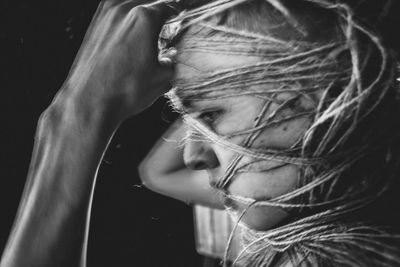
(351, 212)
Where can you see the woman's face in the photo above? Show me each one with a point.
(234, 114)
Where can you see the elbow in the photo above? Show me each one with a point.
(147, 177)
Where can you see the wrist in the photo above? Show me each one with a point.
(76, 136)
(87, 107)
(112, 102)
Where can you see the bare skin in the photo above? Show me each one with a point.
(171, 176)
(108, 83)
(207, 161)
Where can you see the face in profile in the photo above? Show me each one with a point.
(237, 113)
(327, 132)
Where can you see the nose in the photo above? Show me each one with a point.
(199, 155)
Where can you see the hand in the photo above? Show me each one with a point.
(117, 64)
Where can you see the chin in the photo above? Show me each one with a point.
(259, 218)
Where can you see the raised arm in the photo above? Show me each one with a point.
(163, 171)
(116, 75)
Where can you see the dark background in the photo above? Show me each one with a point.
(130, 225)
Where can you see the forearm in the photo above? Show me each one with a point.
(164, 171)
(166, 155)
(117, 64)
(51, 226)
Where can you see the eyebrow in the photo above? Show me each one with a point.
(184, 109)
(185, 106)
(188, 105)
(189, 66)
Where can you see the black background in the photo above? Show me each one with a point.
(130, 225)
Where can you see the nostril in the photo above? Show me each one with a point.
(213, 183)
(199, 165)
(199, 156)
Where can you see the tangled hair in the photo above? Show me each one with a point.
(344, 210)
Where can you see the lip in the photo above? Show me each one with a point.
(212, 177)
(230, 203)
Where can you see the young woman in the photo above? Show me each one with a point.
(290, 107)
(282, 102)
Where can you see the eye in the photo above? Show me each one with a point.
(209, 117)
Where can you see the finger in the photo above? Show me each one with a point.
(115, 3)
(165, 81)
(163, 10)
(165, 74)
(151, 18)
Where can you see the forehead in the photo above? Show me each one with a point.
(207, 53)
(265, 66)
(195, 64)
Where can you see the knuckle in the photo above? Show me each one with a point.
(109, 4)
(108, 8)
(123, 8)
(120, 7)
(120, 10)
(142, 14)
(142, 11)
(105, 5)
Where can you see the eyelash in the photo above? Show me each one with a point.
(209, 117)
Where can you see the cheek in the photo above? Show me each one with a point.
(261, 218)
(263, 186)
(283, 135)
(240, 114)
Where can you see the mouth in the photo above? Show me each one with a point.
(230, 203)
(213, 178)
